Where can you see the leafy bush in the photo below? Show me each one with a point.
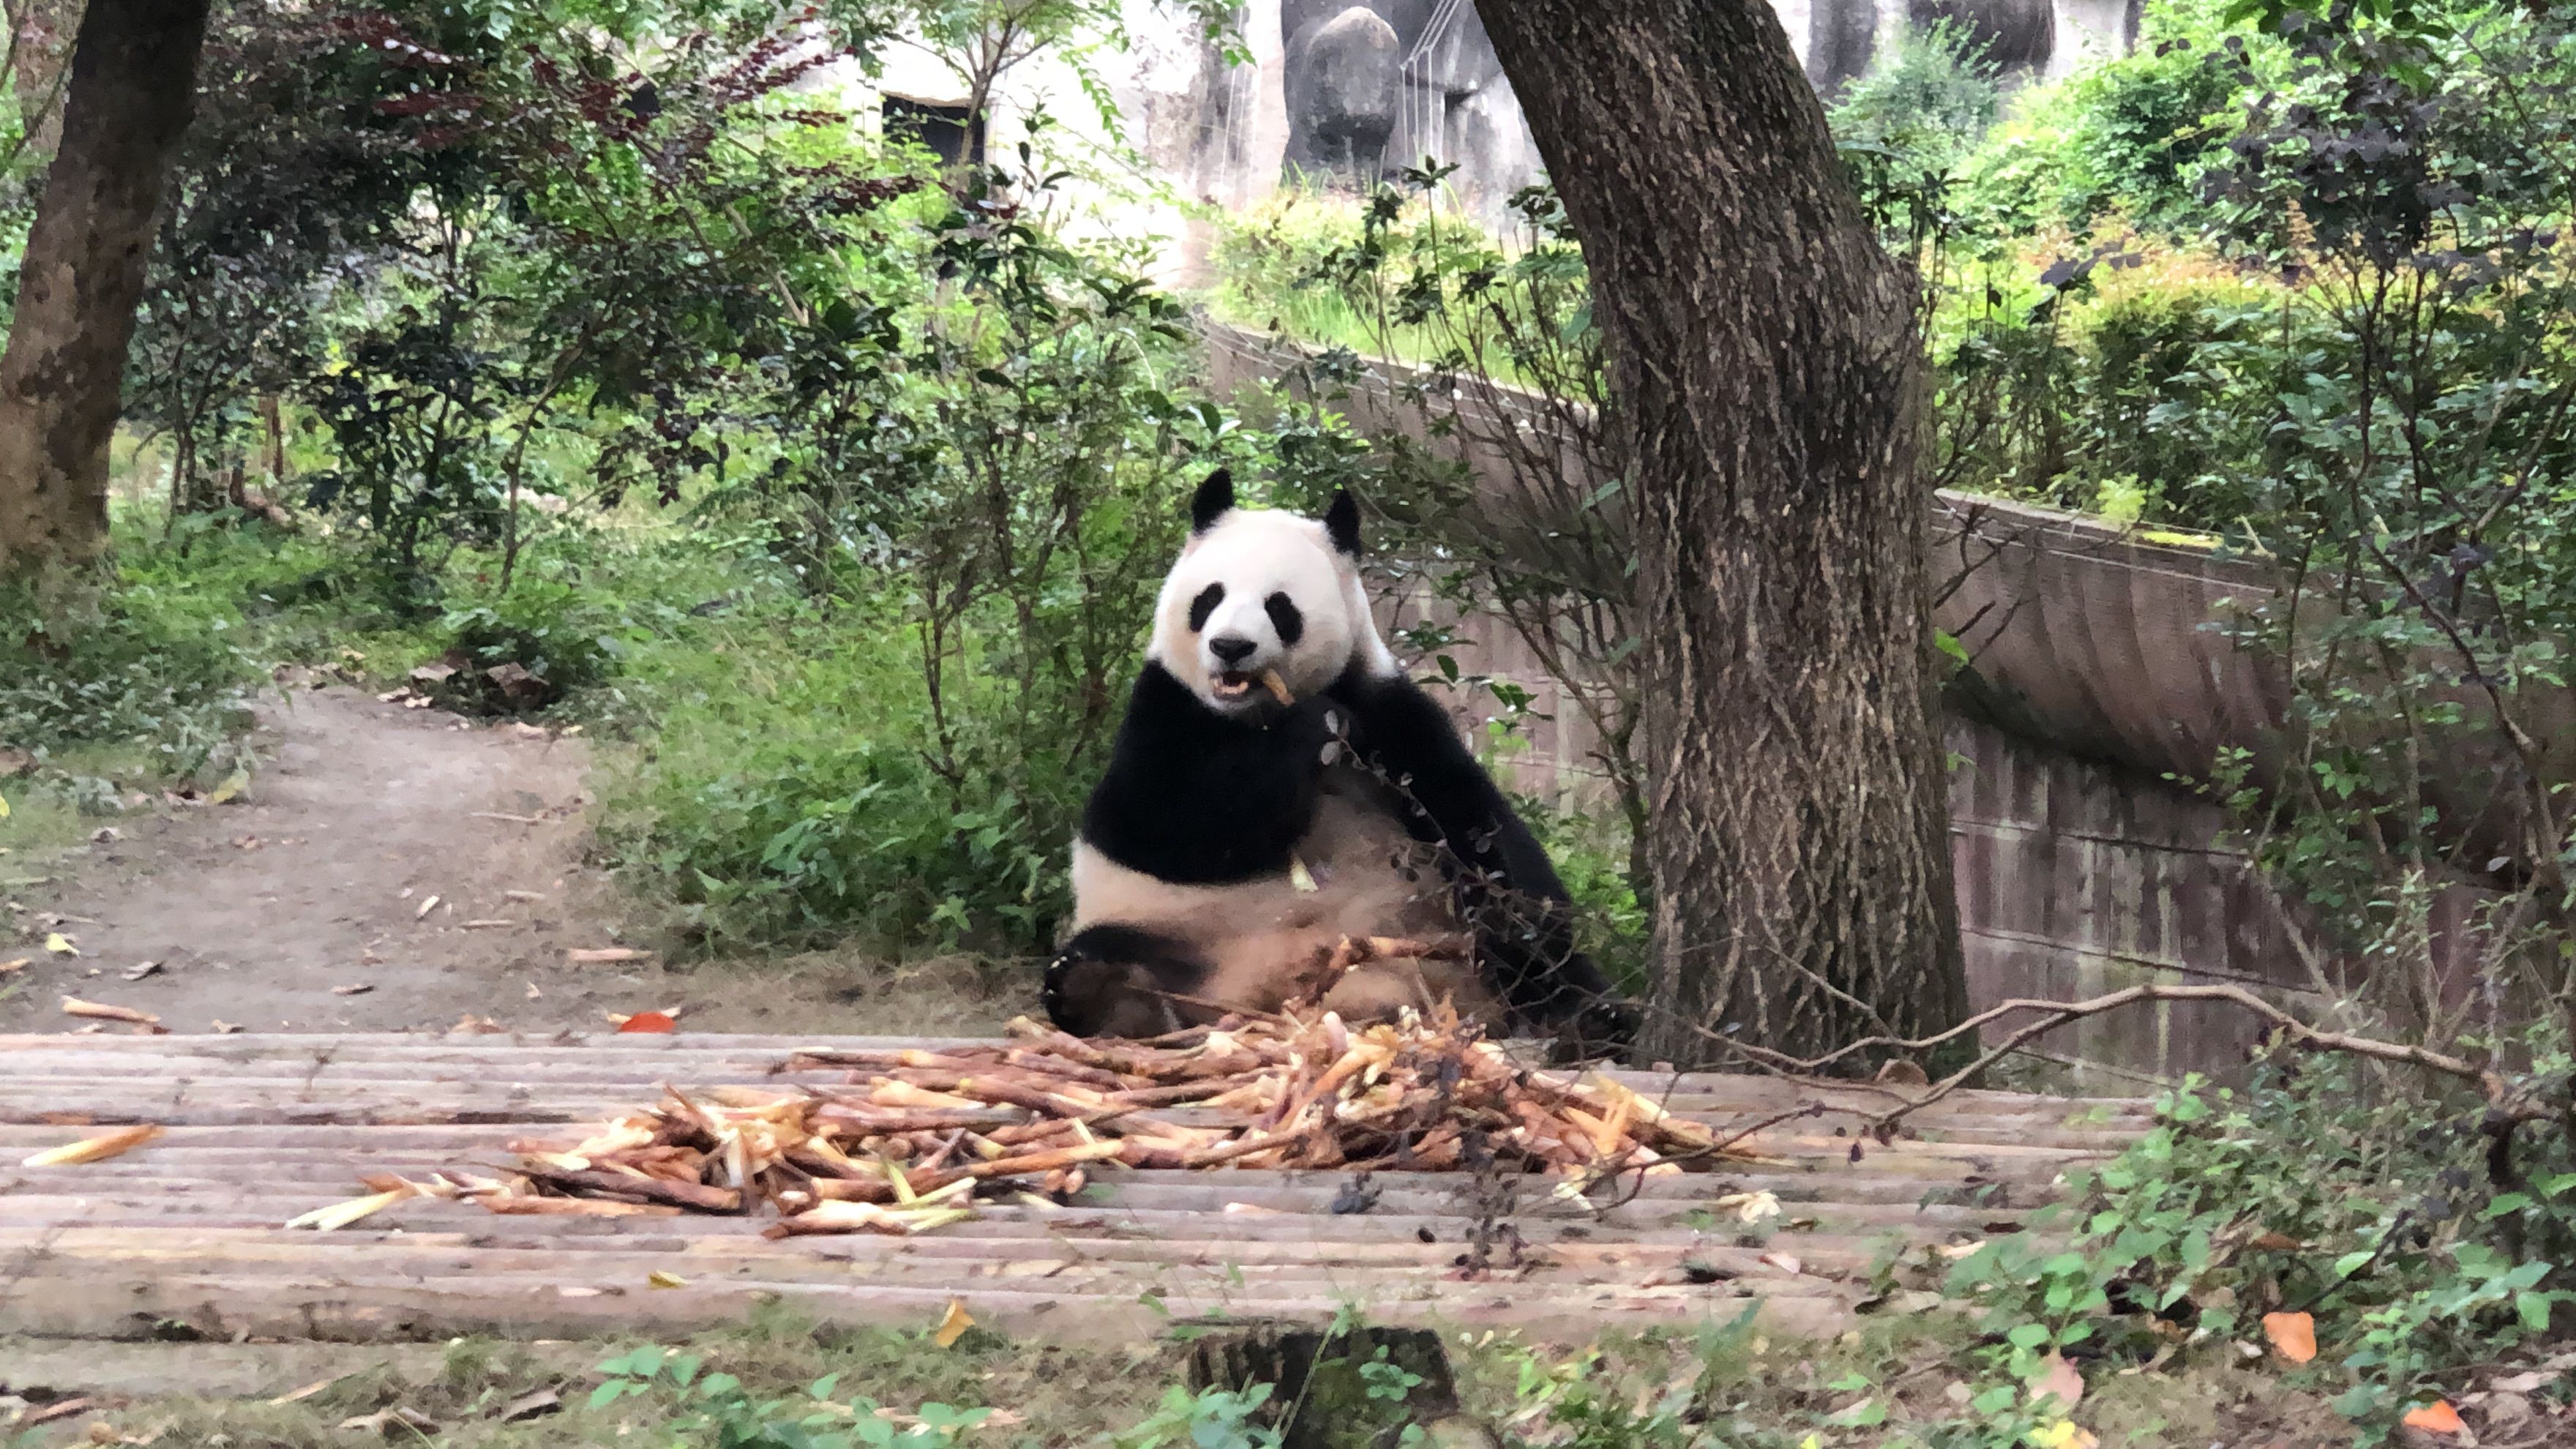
(1904, 127)
(109, 675)
(2416, 1247)
(716, 1409)
(791, 795)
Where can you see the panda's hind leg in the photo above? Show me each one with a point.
(1122, 981)
(1377, 991)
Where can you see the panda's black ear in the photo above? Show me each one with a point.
(1214, 498)
(1342, 523)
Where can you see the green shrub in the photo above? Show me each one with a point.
(1904, 127)
(2326, 1188)
(113, 676)
(794, 790)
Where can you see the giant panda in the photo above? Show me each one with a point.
(1237, 836)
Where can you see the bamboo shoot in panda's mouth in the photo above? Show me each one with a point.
(1234, 686)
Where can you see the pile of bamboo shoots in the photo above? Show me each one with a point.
(914, 1137)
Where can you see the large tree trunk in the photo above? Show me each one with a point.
(1764, 355)
(133, 84)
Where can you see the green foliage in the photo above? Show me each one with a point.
(2325, 1189)
(1209, 1419)
(124, 678)
(1904, 127)
(716, 1410)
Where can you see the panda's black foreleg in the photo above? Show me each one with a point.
(1508, 890)
(1527, 944)
(1121, 981)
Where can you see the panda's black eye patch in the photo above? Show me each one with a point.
(1204, 605)
(1285, 618)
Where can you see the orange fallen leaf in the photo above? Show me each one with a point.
(2437, 1417)
(101, 1011)
(952, 1325)
(649, 1021)
(2060, 1380)
(95, 1149)
(2293, 1335)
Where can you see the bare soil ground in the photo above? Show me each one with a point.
(394, 869)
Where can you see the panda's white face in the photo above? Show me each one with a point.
(1257, 592)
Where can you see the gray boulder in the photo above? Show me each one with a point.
(1343, 86)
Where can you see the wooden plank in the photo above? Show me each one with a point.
(262, 1129)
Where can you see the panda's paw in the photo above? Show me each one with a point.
(1605, 1027)
(1052, 993)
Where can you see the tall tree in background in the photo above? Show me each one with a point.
(1763, 349)
(133, 84)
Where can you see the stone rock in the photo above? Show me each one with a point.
(2017, 34)
(1343, 86)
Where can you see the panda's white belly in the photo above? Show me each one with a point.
(1371, 878)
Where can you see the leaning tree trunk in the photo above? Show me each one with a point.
(133, 84)
(1763, 349)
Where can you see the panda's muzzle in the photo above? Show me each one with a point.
(1233, 682)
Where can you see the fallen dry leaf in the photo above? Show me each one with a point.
(101, 1011)
(952, 1325)
(387, 1421)
(226, 1028)
(231, 788)
(95, 1149)
(2060, 1380)
(1751, 1207)
(659, 1279)
(530, 1406)
(1784, 1263)
(1901, 1073)
(478, 1026)
(21, 964)
(141, 969)
(354, 988)
(2293, 1335)
(309, 1390)
(2437, 1417)
(340, 1214)
(659, 1022)
(2520, 1383)
(60, 944)
(63, 1409)
(603, 955)
(426, 907)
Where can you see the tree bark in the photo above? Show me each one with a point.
(1763, 356)
(133, 86)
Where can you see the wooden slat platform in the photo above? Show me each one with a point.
(183, 1236)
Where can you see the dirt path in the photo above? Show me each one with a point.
(403, 870)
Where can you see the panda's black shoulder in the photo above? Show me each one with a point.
(1390, 713)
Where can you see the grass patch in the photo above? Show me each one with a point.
(1891, 1382)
